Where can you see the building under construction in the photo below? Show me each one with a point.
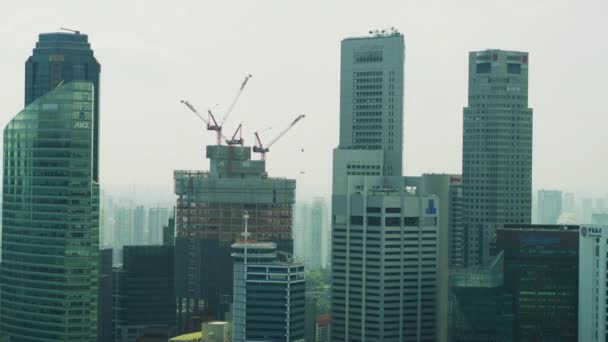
(209, 218)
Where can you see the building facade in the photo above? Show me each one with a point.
(157, 219)
(540, 271)
(50, 219)
(497, 149)
(549, 206)
(384, 268)
(144, 294)
(481, 309)
(209, 219)
(268, 295)
(593, 277)
(60, 58)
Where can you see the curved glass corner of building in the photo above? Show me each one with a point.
(50, 220)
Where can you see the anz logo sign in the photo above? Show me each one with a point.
(82, 124)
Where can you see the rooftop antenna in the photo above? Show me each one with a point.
(70, 30)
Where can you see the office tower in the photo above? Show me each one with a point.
(448, 190)
(139, 236)
(60, 58)
(50, 219)
(569, 203)
(322, 327)
(371, 108)
(480, 307)
(268, 295)
(549, 206)
(497, 148)
(104, 299)
(144, 292)
(540, 271)
(209, 213)
(384, 267)
(592, 290)
(157, 219)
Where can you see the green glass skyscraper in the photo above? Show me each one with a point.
(50, 219)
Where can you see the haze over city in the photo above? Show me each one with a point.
(156, 54)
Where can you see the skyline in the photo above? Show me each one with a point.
(143, 58)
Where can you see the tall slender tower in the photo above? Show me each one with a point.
(497, 149)
(60, 58)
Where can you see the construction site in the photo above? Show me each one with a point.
(209, 218)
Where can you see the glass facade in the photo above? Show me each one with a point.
(50, 219)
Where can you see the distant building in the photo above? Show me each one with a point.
(209, 219)
(497, 149)
(549, 206)
(322, 328)
(157, 219)
(586, 210)
(310, 239)
(144, 295)
(569, 203)
(540, 268)
(268, 295)
(140, 236)
(169, 232)
(601, 219)
(481, 309)
(593, 292)
(384, 270)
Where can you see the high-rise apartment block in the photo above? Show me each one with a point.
(50, 219)
(497, 148)
(268, 295)
(209, 219)
(549, 206)
(157, 219)
(592, 288)
(540, 271)
(384, 266)
(311, 243)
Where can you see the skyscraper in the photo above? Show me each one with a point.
(371, 108)
(497, 148)
(157, 219)
(60, 58)
(50, 219)
(384, 266)
(549, 206)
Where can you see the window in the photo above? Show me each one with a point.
(373, 221)
(392, 221)
(356, 220)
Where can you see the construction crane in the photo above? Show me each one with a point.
(210, 126)
(260, 148)
(70, 30)
(213, 125)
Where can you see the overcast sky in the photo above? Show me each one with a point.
(155, 53)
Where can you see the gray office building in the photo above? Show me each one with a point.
(371, 107)
(268, 294)
(384, 266)
(497, 149)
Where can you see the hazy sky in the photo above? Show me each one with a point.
(155, 53)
